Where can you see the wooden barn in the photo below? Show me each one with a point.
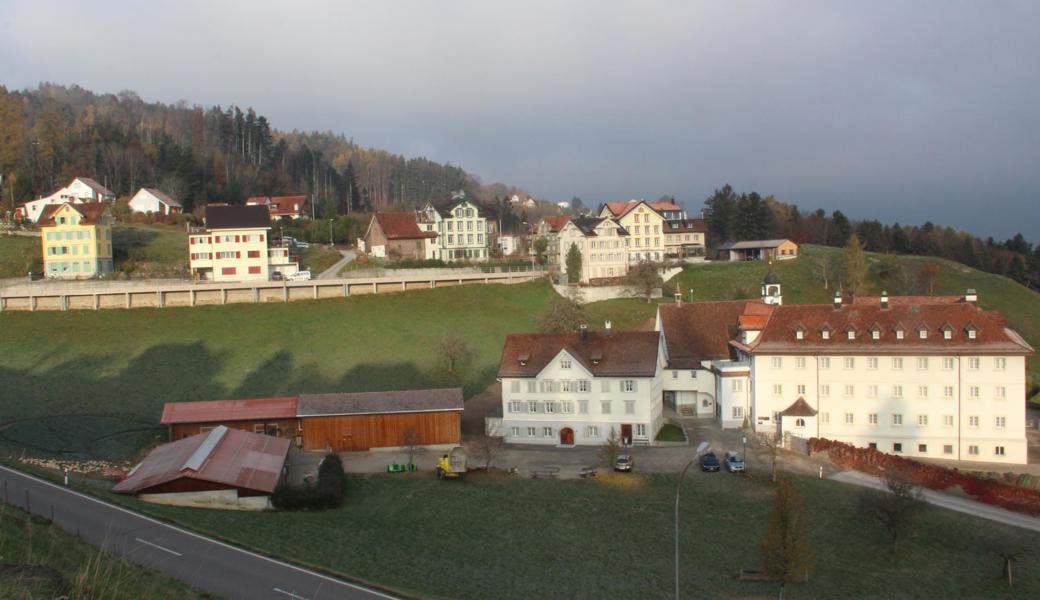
(363, 420)
(271, 416)
(223, 468)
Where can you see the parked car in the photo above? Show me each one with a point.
(277, 276)
(734, 462)
(624, 463)
(300, 276)
(302, 245)
(710, 463)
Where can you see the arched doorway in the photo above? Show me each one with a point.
(566, 436)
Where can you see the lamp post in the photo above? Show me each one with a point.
(743, 440)
(330, 233)
(703, 448)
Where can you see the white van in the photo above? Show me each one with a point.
(300, 276)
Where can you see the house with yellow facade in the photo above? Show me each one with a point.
(645, 227)
(76, 239)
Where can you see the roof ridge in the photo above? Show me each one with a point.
(199, 456)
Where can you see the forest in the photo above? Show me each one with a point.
(198, 155)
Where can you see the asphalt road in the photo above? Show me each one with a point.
(331, 272)
(207, 564)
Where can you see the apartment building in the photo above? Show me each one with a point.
(463, 229)
(601, 243)
(234, 246)
(645, 227)
(76, 239)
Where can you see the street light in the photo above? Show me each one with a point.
(743, 440)
(330, 233)
(702, 449)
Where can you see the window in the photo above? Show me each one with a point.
(693, 374)
(532, 406)
(973, 391)
(778, 362)
(973, 363)
(776, 416)
(228, 270)
(825, 334)
(872, 363)
(516, 406)
(675, 374)
(737, 385)
(605, 407)
(259, 428)
(922, 391)
(947, 448)
(922, 448)
(875, 334)
(799, 423)
(778, 389)
(547, 431)
(628, 385)
(799, 334)
(973, 450)
(514, 386)
(1000, 422)
(253, 254)
(899, 334)
(604, 386)
(825, 418)
(825, 390)
(947, 363)
(850, 363)
(565, 363)
(872, 418)
(584, 386)
(849, 419)
(998, 450)
(897, 447)
(738, 412)
(851, 334)
(514, 432)
(973, 422)
(547, 386)
(872, 445)
(592, 431)
(849, 391)
(566, 386)
(947, 420)
(254, 270)
(971, 334)
(800, 389)
(799, 362)
(550, 407)
(922, 420)
(825, 362)
(567, 407)
(630, 407)
(583, 407)
(922, 363)
(641, 430)
(897, 391)
(1000, 392)
(532, 386)
(872, 391)
(947, 391)
(947, 334)
(999, 364)
(897, 420)
(897, 363)
(922, 333)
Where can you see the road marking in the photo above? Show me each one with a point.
(197, 535)
(289, 594)
(147, 543)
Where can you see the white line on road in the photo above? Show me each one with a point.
(147, 543)
(289, 594)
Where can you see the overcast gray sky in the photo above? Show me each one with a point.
(907, 111)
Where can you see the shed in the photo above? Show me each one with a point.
(271, 416)
(363, 420)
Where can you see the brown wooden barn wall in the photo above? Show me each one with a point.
(183, 430)
(361, 432)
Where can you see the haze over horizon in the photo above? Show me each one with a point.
(893, 111)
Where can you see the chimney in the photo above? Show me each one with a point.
(971, 296)
(884, 299)
(584, 329)
(837, 300)
(678, 295)
(607, 327)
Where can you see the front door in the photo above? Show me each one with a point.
(626, 434)
(566, 436)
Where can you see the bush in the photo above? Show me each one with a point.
(326, 493)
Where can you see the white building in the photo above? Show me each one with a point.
(233, 246)
(151, 200)
(918, 376)
(463, 230)
(601, 243)
(78, 191)
(566, 389)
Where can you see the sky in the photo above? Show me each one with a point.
(894, 110)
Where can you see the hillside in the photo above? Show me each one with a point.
(19, 255)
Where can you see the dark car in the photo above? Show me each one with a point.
(710, 463)
(624, 463)
(277, 276)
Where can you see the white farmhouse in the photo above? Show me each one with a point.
(78, 191)
(565, 389)
(151, 200)
(916, 376)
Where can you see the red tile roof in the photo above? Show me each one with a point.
(799, 408)
(664, 205)
(619, 208)
(229, 457)
(699, 331)
(220, 411)
(89, 212)
(401, 226)
(619, 354)
(556, 222)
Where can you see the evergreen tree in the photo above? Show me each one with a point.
(841, 229)
(785, 548)
(573, 263)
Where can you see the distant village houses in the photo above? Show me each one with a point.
(78, 191)
(154, 201)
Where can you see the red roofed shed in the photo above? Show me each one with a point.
(271, 416)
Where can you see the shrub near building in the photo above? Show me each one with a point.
(325, 494)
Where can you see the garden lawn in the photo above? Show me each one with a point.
(84, 571)
(150, 250)
(492, 536)
(19, 255)
(93, 383)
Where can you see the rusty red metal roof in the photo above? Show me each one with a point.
(214, 411)
(222, 456)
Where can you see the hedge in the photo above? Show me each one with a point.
(326, 493)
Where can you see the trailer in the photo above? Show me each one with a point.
(453, 464)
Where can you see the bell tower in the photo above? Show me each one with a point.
(771, 292)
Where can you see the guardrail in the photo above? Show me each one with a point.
(85, 296)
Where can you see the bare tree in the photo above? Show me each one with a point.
(895, 509)
(785, 548)
(643, 279)
(610, 448)
(455, 352)
(488, 445)
(773, 443)
(411, 440)
(562, 315)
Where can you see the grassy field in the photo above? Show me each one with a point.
(150, 250)
(93, 383)
(79, 571)
(491, 536)
(19, 255)
(318, 258)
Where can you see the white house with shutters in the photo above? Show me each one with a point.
(78, 191)
(581, 388)
(463, 230)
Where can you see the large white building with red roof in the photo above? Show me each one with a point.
(935, 377)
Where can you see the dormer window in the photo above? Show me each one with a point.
(523, 358)
(922, 333)
(825, 334)
(900, 333)
(875, 334)
(799, 334)
(851, 334)
(971, 334)
(947, 334)
(971, 330)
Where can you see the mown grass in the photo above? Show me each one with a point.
(19, 255)
(155, 250)
(79, 571)
(497, 537)
(93, 383)
(318, 258)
